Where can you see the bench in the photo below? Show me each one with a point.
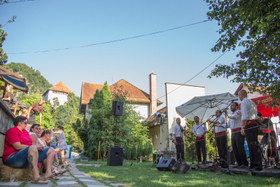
(21, 174)
(141, 158)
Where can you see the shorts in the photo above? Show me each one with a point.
(19, 159)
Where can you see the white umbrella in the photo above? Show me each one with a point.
(205, 106)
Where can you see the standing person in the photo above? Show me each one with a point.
(61, 144)
(220, 135)
(33, 109)
(8, 97)
(53, 140)
(178, 132)
(250, 129)
(269, 125)
(199, 129)
(237, 139)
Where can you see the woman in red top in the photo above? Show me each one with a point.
(19, 151)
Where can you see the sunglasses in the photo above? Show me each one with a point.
(24, 122)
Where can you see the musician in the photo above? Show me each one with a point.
(237, 139)
(178, 132)
(250, 129)
(220, 134)
(268, 123)
(200, 129)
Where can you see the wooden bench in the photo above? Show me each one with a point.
(141, 158)
(22, 174)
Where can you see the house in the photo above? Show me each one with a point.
(60, 91)
(176, 94)
(250, 95)
(146, 104)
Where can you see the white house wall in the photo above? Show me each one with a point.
(178, 94)
(50, 95)
(143, 110)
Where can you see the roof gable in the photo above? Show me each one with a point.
(60, 87)
(132, 92)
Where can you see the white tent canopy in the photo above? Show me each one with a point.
(205, 106)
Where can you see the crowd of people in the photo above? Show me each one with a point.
(243, 124)
(28, 144)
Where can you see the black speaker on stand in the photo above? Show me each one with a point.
(115, 154)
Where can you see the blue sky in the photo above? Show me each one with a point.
(175, 56)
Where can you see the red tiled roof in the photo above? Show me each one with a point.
(60, 87)
(133, 93)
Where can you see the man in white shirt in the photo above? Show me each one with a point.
(178, 132)
(220, 135)
(237, 139)
(199, 129)
(250, 129)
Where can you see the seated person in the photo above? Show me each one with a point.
(35, 133)
(19, 151)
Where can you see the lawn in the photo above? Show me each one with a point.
(142, 174)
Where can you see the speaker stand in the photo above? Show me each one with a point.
(116, 130)
(226, 172)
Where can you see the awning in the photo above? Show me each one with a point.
(17, 81)
(262, 106)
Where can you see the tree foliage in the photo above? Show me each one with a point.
(47, 118)
(254, 26)
(3, 55)
(103, 125)
(36, 82)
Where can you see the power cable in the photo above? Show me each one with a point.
(193, 76)
(114, 41)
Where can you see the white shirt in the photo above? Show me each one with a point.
(38, 142)
(248, 109)
(199, 129)
(222, 122)
(234, 120)
(178, 131)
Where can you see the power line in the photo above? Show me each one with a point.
(193, 76)
(20, 1)
(114, 41)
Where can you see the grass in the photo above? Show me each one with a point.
(142, 174)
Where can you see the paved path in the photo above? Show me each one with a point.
(73, 178)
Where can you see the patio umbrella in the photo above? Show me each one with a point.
(205, 106)
(17, 81)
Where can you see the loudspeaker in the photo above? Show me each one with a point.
(117, 108)
(181, 166)
(115, 156)
(165, 164)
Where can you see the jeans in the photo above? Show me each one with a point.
(19, 159)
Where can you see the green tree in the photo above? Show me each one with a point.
(67, 115)
(47, 119)
(102, 126)
(254, 26)
(3, 55)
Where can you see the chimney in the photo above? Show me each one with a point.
(153, 93)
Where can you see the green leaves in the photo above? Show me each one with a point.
(255, 26)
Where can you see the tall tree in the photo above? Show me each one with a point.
(102, 125)
(3, 55)
(254, 26)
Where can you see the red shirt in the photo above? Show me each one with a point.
(15, 135)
